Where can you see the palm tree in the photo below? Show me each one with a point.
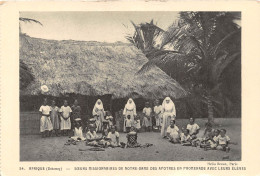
(26, 77)
(206, 43)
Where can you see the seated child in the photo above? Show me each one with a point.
(92, 137)
(128, 123)
(78, 135)
(213, 141)
(132, 138)
(208, 134)
(193, 128)
(185, 138)
(173, 132)
(113, 137)
(223, 141)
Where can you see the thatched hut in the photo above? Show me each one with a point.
(92, 69)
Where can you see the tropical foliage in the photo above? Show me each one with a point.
(197, 50)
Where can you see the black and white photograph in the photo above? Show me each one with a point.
(130, 85)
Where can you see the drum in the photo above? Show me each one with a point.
(131, 139)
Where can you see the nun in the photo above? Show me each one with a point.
(168, 114)
(99, 114)
(130, 109)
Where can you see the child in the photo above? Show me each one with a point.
(193, 128)
(208, 134)
(109, 118)
(147, 120)
(158, 114)
(173, 132)
(113, 137)
(128, 123)
(185, 138)
(65, 112)
(213, 141)
(78, 134)
(137, 123)
(223, 141)
(55, 120)
(92, 137)
(45, 122)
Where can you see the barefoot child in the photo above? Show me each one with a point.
(158, 114)
(55, 119)
(109, 118)
(65, 113)
(173, 132)
(78, 134)
(45, 122)
(92, 137)
(113, 137)
(185, 138)
(137, 123)
(128, 123)
(193, 128)
(147, 120)
(223, 141)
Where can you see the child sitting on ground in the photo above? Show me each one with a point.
(92, 137)
(128, 123)
(208, 134)
(113, 137)
(223, 141)
(173, 132)
(185, 138)
(78, 134)
(193, 128)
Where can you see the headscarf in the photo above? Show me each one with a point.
(99, 106)
(168, 106)
(129, 105)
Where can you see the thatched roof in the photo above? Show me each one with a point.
(93, 68)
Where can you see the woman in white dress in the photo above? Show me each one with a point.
(130, 109)
(99, 113)
(45, 121)
(158, 114)
(65, 123)
(168, 114)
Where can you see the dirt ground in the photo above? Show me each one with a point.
(35, 148)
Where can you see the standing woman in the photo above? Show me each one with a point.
(99, 113)
(130, 109)
(55, 120)
(45, 122)
(65, 113)
(168, 114)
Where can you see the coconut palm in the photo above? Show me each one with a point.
(206, 43)
(26, 77)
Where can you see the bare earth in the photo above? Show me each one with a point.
(35, 148)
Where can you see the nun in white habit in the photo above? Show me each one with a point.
(168, 114)
(99, 113)
(130, 109)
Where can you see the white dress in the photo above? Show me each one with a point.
(158, 115)
(78, 134)
(45, 122)
(65, 124)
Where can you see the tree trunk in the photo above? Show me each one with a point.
(210, 110)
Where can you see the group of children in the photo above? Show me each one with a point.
(212, 138)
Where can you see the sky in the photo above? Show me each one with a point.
(91, 26)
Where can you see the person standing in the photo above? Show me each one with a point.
(55, 120)
(158, 114)
(76, 113)
(130, 109)
(65, 113)
(99, 113)
(45, 121)
(147, 120)
(168, 114)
